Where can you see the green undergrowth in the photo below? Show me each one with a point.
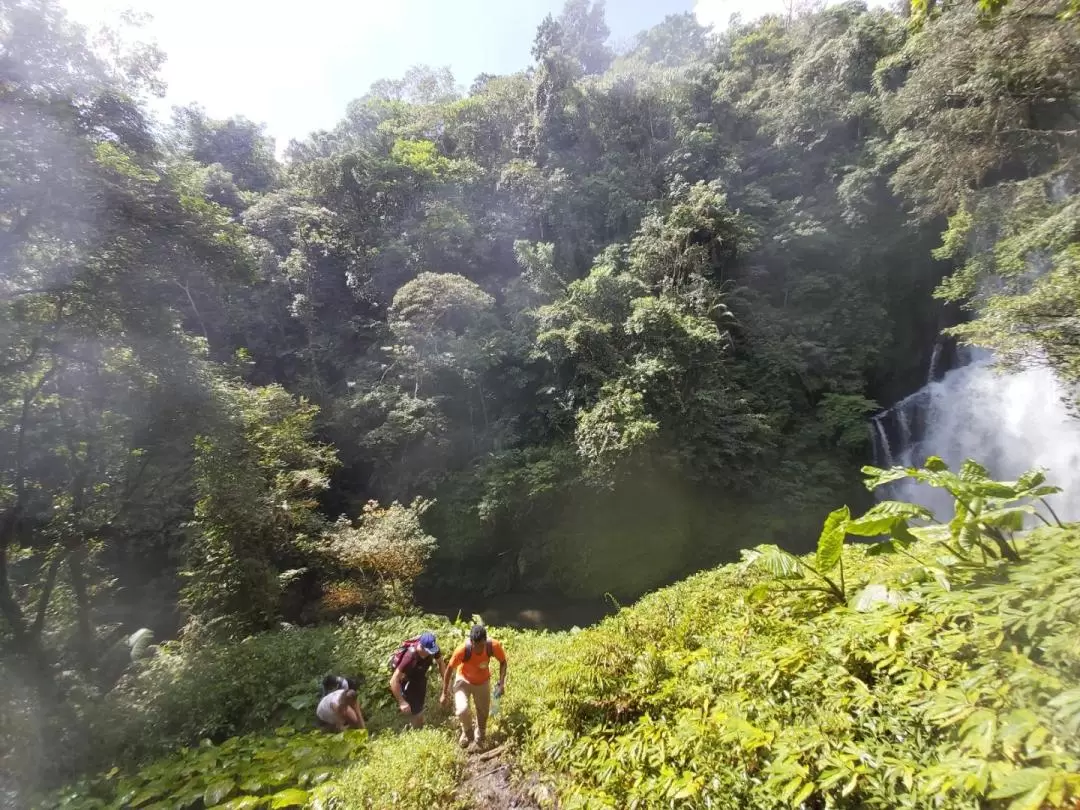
(285, 769)
(957, 692)
(410, 771)
(219, 690)
(233, 726)
(938, 667)
(280, 770)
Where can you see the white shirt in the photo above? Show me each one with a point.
(329, 708)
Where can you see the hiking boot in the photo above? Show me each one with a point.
(464, 740)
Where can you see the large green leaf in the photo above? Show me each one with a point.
(1011, 518)
(1029, 785)
(1042, 492)
(994, 489)
(218, 792)
(972, 471)
(882, 518)
(300, 702)
(1031, 479)
(831, 542)
(1067, 710)
(979, 730)
(877, 477)
(244, 803)
(292, 797)
(775, 560)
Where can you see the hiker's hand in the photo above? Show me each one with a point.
(444, 699)
(499, 689)
(405, 708)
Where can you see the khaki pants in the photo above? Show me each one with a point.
(481, 698)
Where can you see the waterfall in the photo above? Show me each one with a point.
(1007, 422)
(934, 357)
(882, 452)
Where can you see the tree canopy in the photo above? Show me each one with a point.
(576, 328)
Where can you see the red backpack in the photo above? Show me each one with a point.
(395, 657)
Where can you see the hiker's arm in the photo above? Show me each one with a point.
(353, 716)
(395, 689)
(448, 671)
(502, 676)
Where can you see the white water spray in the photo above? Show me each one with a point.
(882, 451)
(935, 356)
(1009, 423)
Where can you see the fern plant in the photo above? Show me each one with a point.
(988, 513)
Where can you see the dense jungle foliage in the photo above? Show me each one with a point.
(586, 328)
(947, 675)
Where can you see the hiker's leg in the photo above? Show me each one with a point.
(415, 693)
(482, 699)
(461, 709)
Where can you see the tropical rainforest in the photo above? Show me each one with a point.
(590, 328)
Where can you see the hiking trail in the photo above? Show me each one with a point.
(490, 784)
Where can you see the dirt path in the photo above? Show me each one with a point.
(491, 784)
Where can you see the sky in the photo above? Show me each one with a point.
(294, 66)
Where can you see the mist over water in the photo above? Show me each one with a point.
(1009, 422)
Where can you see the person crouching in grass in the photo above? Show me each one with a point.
(339, 709)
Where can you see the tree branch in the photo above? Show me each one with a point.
(46, 593)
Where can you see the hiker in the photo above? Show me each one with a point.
(339, 709)
(408, 684)
(331, 683)
(471, 660)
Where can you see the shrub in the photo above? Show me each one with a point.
(386, 547)
(342, 598)
(412, 771)
(215, 690)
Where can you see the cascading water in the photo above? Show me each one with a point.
(935, 356)
(1008, 422)
(882, 451)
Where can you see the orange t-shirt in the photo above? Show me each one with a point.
(476, 670)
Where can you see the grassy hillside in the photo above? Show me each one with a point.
(703, 695)
(960, 690)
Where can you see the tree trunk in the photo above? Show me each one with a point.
(84, 642)
(30, 656)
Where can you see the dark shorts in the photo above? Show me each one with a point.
(415, 693)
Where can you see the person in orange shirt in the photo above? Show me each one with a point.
(471, 661)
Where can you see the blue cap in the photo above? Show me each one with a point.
(427, 641)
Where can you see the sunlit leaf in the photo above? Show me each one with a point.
(830, 545)
(243, 803)
(293, 797)
(775, 560)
